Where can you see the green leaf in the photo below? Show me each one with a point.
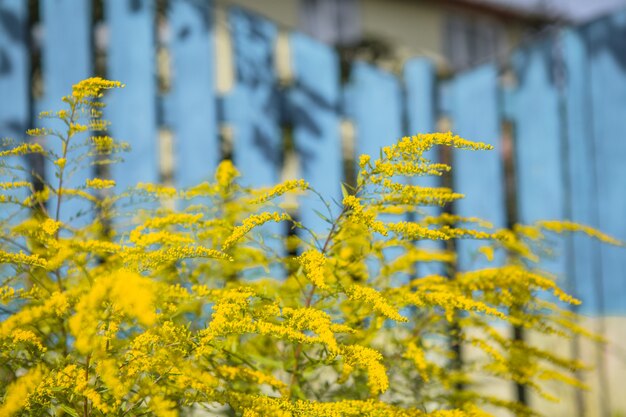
(344, 191)
(321, 216)
(69, 410)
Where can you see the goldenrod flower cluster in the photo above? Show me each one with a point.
(225, 174)
(359, 215)
(17, 393)
(159, 301)
(89, 89)
(314, 264)
(99, 183)
(281, 189)
(250, 223)
(15, 184)
(374, 300)
(23, 149)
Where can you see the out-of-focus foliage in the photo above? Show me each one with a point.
(158, 301)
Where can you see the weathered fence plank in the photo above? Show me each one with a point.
(132, 111)
(194, 111)
(14, 69)
(375, 105)
(14, 84)
(255, 102)
(607, 43)
(66, 59)
(419, 80)
(313, 104)
(540, 186)
(420, 101)
(375, 102)
(253, 108)
(585, 279)
(478, 175)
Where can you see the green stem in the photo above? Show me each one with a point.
(309, 299)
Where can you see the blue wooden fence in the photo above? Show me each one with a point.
(313, 105)
(475, 114)
(67, 57)
(131, 58)
(193, 112)
(568, 110)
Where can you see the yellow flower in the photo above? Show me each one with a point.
(374, 300)
(60, 162)
(23, 149)
(40, 131)
(91, 88)
(146, 260)
(99, 183)
(131, 293)
(359, 215)
(313, 262)
(225, 173)
(17, 393)
(250, 223)
(251, 375)
(414, 195)
(157, 189)
(27, 336)
(50, 226)
(162, 407)
(15, 184)
(371, 360)
(561, 226)
(281, 189)
(77, 128)
(319, 322)
(364, 160)
(487, 251)
(7, 293)
(416, 231)
(22, 258)
(106, 144)
(98, 125)
(58, 303)
(416, 355)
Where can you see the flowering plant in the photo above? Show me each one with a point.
(146, 309)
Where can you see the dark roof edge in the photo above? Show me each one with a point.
(503, 12)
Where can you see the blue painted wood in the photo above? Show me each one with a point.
(253, 109)
(585, 280)
(376, 102)
(14, 85)
(377, 110)
(419, 79)
(540, 185)
(507, 101)
(66, 59)
(444, 97)
(194, 108)
(132, 111)
(607, 43)
(420, 92)
(14, 69)
(14, 109)
(479, 175)
(313, 103)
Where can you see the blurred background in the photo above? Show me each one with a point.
(297, 88)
